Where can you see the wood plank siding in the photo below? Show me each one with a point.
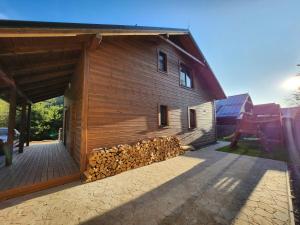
(73, 103)
(125, 90)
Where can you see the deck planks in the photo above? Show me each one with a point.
(39, 163)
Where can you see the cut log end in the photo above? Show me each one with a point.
(105, 162)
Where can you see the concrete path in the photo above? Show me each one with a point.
(200, 187)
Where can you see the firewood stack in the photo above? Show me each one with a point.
(105, 162)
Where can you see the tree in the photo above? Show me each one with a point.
(46, 119)
(3, 113)
(294, 99)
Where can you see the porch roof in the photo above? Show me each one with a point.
(39, 58)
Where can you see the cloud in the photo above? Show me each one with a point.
(3, 16)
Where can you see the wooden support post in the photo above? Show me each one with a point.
(28, 125)
(22, 128)
(11, 127)
(84, 112)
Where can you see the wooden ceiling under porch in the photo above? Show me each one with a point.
(39, 68)
(34, 69)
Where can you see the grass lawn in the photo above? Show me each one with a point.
(253, 148)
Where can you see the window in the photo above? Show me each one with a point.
(163, 115)
(192, 118)
(162, 62)
(185, 77)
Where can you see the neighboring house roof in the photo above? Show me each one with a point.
(181, 37)
(291, 112)
(232, 106)
(266, 109)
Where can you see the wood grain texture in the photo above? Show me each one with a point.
(73, 101)
(39, 167)
(125, 90)
(16, 192)
(33, 62)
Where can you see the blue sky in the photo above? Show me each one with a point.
(252, 45)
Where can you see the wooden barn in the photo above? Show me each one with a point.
(229, 110)
(120, 84)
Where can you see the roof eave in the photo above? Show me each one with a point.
(220, 93)
(15, 27)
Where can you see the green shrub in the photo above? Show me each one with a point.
(46, 119)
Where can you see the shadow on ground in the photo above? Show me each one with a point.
(212, 192)
(200, 187)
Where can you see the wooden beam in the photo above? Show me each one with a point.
(45, 90)
(49, 83)
(23, 128)
(11, 126)
(95, 42)
(40, 50)
(28, 124)
(11, 83)
(51, 32)
(19, 33)
(5, 80)
(181, 50)
(140, 33)
(45, 86)
(29, 68)
(43, 76)
(50, 93)
(45, 97)
(84, 112)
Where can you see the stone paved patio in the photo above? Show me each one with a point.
(200, 187)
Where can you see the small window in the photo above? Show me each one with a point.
(185, 77)
(163, 115)
(162, 62)
(192, 118)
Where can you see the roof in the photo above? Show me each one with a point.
(231, 106)
(32, 44)
(87, 27)
(266, 109)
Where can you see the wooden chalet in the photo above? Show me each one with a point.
(120, 84)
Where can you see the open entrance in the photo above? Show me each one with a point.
(38, 158)
(36, 75)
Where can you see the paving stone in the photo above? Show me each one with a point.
(240, 222)
(281, 216)
(267, 208)
(201, 187)
(261, 220)
(278, 222)
(263, 213)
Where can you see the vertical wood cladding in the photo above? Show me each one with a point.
(73, 102)
(125, 90)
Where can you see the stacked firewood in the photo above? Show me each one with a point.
(105, 162)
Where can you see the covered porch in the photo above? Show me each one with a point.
(34, 69)
(38, 63)
(40, 166)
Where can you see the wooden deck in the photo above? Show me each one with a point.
(39, 167)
